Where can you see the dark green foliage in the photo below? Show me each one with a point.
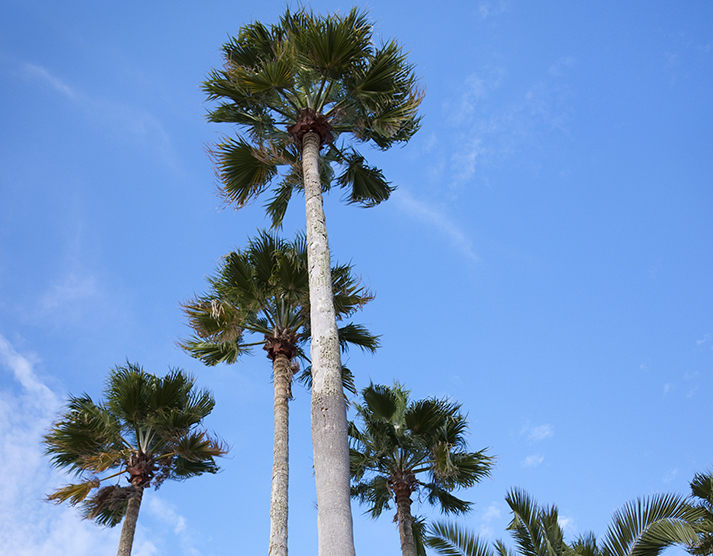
(328, 68)
(420, 443)
(148, 430)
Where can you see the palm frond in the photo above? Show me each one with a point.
(644, 527)
(448, 539)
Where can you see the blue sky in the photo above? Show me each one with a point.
(545, 261)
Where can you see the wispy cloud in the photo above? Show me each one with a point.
(490, 9)
(537, 433)
(46, 77)
(438, 218)
(70, 289)
(491, 128)
(491, 514)
(671, 475)
(29, 525)
(110, 116)
(532, 461)
(567, 524)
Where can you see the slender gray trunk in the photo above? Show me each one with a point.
(329, 414)
(280, 463)
(403, 513)
(129, 528)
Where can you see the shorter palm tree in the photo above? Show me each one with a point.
(260, 297)
(401, 440)
(147, 430)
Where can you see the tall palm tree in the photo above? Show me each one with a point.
(294, 88)
(263, 291)
(642, 527)
(147, 430)
(400, 441)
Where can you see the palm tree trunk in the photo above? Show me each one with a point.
(403, 514)
(280, 463)
(329, 414)
(132, 515)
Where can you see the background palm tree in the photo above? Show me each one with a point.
(147, 430)
(293, 88)
(263, 290)
(642, 527)
(402, 440)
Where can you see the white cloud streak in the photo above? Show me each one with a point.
(130, 122)
(437, 218)
(29, 525)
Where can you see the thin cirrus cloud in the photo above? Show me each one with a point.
(29, 524)
(438, 218)
(120, 119)
(494, 128)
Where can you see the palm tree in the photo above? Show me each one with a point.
(148, 430)
(401, 440)
(263, 290)
(642, 527)
(294, 88)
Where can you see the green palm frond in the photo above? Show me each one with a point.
(644, 527)
(357, 335)
(586, 545)
(448, 539)
(536, 530)
(74, 493)
(365, 185)
(443, 499)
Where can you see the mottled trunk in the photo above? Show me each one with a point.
(403, 514)
(329, 414)
(280, 463)
(129, 528)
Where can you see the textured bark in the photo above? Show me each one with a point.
(280, 464)
(403, 514)
(128, 529)
(329, 414)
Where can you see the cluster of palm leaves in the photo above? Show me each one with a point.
(403, 447)
(309, 73)
(642, 527)
(147, 430)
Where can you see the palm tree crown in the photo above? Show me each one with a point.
(263, 290)
(401, 440)
(148, 430)
(309, 74)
